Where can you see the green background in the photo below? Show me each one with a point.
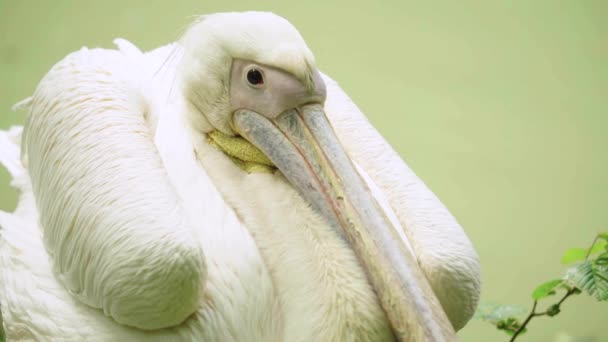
(500, 106)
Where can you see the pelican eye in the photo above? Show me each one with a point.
(255, 77)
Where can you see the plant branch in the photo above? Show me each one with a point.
(526, 321)
(568, 294)
(533, 313)
(592, 244)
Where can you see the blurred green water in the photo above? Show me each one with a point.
(500, 106)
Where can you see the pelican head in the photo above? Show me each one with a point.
(246, 60)
(252, 75)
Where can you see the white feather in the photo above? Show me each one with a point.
(136, 217)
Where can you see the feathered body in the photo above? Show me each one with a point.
(274, 270)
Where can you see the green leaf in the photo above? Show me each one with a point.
(602, 259)
(574, 255)
(598, 247)
(509, 326)
(603, 236)
(524, 330)
(546, 289)
(590, 277)
(579, 254)
(553, 310)
(493, 313)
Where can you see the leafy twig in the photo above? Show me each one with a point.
(551, 311)
(590, 275)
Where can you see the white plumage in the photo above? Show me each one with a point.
(128, 220)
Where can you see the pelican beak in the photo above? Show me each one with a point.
(304, 147)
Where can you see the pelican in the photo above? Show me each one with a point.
(220, 188)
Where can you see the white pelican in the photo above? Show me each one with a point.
(143, 214)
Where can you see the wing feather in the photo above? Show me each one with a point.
(112, 222)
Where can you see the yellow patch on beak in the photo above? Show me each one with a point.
(242, 152)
